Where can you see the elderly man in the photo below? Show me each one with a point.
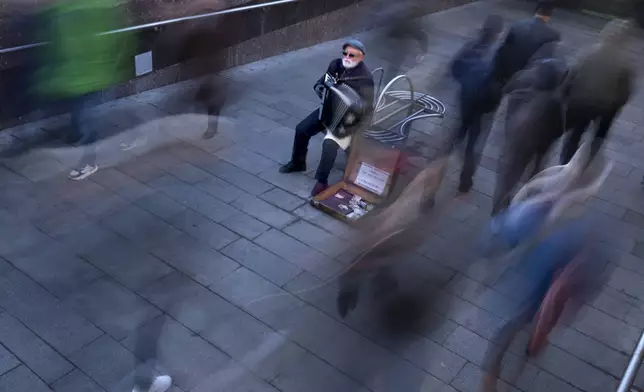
(350, 70)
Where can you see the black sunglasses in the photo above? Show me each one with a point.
(351, 55)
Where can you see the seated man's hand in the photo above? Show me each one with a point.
(319, 89)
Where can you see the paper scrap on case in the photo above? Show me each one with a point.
(372, 179)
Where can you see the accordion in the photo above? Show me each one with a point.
(342, 108)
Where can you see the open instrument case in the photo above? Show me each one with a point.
(368, 179)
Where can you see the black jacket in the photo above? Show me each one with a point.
(358, 78)
(523, 41)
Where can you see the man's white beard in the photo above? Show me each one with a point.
(348, 64)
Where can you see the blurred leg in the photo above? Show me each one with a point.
(603, 127)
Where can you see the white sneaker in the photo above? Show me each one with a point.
(81, 174)
(136, 143)
(160, 384)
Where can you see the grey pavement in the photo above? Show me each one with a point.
(209, 239)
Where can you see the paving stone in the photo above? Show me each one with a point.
(5, 266)
(317, 238)
(309, 373)
(203, 229)
(220, 189)
(188, 358)
(614, 303)
(245, 225)
(140, 170)
(602, 327)
(113, 308)
(58, 270)
(482, 296)
(263, 211)
(574, 371)
(256, 295)
(127, 263)
(122, 184)
(62, 223)
(628, 283)
(239, 178)
(108, 363)
(298, 185)
(589, 350)
(262, 262)
(20, 237)
(282, 199)
(247, 160)
(234, 378)
(546, 382)
(325, 221)
(7, 361)
(299, 254)
(21, 379)
(102, 205)
(160, 205)
(43, 314)
(195, 259)
(195, 199)
(436, 327)
(467, 315)
(634, 218)
(76, 381)
(467, 344)
(607, 207)
(469, 378)
(438, 361)
(189, 173)
(141, 227)
(30, 349)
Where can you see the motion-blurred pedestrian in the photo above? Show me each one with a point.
(599, 85)
(80, 63)
(532, 130)
(523, 41)
(479, 96)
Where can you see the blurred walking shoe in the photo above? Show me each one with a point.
(160, 384)
(83, 173)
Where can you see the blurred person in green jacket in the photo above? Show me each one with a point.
(80, 63)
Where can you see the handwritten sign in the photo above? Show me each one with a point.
(372, 179)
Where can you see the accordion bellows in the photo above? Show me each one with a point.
(342, 108)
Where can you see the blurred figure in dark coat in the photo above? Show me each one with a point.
(479, 96)
(599, 85)
(524, 39)
(532, 130)
(404, 29)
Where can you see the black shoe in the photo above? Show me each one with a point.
(465, 186)
(346, 302)
(318, 188)
(292, 167)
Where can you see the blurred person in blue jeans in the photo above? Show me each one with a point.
(549, 238)
(80, 63)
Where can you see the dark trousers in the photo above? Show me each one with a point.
(83, 133)
(475, 126)
(212, 96)
(518, 160)
(304, 131)
(578, 120)
(146, 351)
